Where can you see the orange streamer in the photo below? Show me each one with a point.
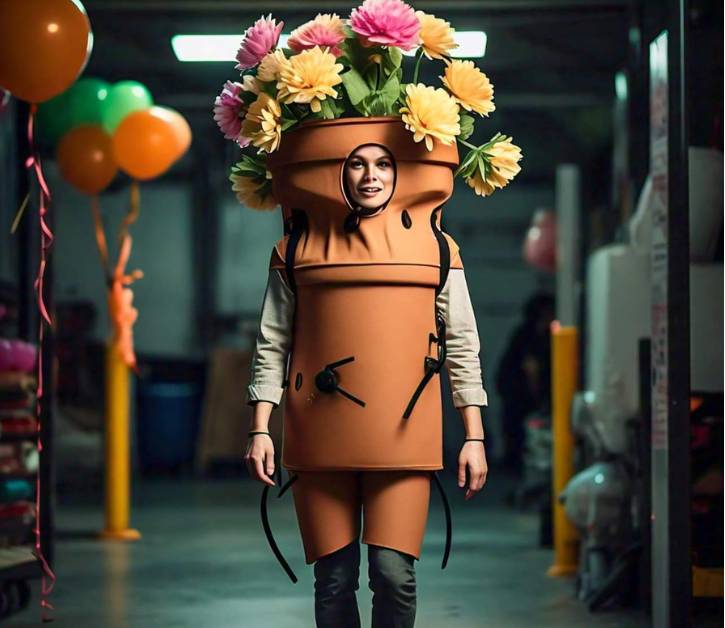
(120, 297)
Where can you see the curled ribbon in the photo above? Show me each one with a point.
(120, 297)
(46, 239)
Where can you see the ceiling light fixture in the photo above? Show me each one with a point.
(471, 44)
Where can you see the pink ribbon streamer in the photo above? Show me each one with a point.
(46, 239)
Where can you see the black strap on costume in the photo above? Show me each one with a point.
(268, 530)
(289, 483)
(449, 525)
(443, 250)
(431, 365)
(434, 365)
(296, 226)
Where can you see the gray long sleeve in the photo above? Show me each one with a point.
(269, 361)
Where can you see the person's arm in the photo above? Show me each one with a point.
(462, 345)
(464, 373)
(267, 372)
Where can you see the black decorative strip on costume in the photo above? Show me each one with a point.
(326, 380)
(297, 228)
(270, 537)
(449, 524)
(289, 483)
(443, 250)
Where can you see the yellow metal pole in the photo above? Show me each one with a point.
(564, 376)
(117, 449)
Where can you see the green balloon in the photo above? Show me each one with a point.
(85, 99)
(123, 98)
(54, 119)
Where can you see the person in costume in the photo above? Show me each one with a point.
(392, 499)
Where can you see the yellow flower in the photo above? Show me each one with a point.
(436, 36)
(309, 77)
(469, 86)
(261, 123)
(253, 192)
(502, 166)
(430, 113)
(250, 84)
(269, 66)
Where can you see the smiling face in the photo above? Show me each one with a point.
(369, 176)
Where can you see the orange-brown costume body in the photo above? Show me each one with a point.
(365, 309)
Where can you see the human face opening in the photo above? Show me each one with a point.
(369, 177)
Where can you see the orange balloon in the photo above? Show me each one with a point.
(145, 144)
(182, 130)
(44, 46)
(85, 158)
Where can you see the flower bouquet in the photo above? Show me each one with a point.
(333, 68)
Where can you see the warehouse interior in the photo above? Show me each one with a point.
(596, 277)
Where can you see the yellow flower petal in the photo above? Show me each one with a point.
(308, 77)
(249, 192)
(503, 157)
(469, 86)
(430, 113)
(269, 66)
(261, 123)
(436, 36)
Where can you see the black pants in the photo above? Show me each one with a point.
(391, 578)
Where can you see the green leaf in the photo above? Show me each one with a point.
(269, 88)
(247, 97)
(391, 89)
(392, 60)
(287, 111)
(355, 86)
(377, 105)
(402, 94)
(250, 166)
(371, 75)
(483, 166)
(288, 123)
(358, 55)
(466, 122)
(468, 164)
(327, 109)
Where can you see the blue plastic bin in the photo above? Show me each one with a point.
(167, 423)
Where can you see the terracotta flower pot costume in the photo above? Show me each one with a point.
(363, 380)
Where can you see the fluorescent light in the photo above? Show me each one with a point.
(620, 85)
(210, 47)
(471, 44)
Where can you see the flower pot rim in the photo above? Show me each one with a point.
(347, 120)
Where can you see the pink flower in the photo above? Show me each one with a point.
(324, 30)
(258, 40)
(229, 111)
(386, 22)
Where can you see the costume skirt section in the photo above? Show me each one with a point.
(394, 507)
(364, 341)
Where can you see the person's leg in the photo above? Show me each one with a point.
(392, 581)
(328, 514)
(336, 580)
(395, 509)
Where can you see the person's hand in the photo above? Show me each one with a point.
(259, 458)
(473, 457)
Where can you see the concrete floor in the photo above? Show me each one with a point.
(203, 561)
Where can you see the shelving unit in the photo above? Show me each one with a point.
(18, 563)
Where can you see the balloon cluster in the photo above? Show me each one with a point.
(101, 128)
